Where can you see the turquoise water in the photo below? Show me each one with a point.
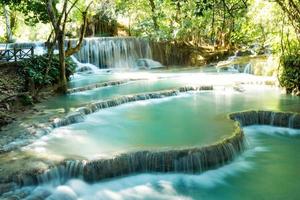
(191, 119)
(154, 81)
(68, 102)
(267, 170)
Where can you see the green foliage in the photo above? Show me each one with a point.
(290, 71)
(222, 23)
(26, 100)
(37, 71)
(2, 39)
(189, 21)
(34, 11)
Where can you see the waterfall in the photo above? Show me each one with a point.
(78, 116)
(103, 52)
(61, 173)
(291, 120)
(248, 69)
(114, 52)
(39, 47)
(85, 67)
(194, 160)
(190, 160)
(280, 119)
(55, 175)
(273, 114)
(101, 85)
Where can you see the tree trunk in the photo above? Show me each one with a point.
(212, 36)
(9, 37)
(154, 17)
(62, 78)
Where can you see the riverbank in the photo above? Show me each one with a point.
(11, 84)
(15, 100)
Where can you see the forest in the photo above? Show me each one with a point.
(261, 25)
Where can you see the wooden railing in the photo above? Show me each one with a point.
(15, 54)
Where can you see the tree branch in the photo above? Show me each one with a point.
(52, 16)
(63, 11)
(71, 50)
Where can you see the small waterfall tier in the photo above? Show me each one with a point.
(115, 52)
(280, 119)
(190, 160)
(186, 160)
(101, 85)
(79, 115)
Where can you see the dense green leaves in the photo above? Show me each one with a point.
(34, 10)
(196, 22)
(37, 71)
(221, 24)
(290, 72)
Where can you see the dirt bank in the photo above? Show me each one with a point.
(14, 97)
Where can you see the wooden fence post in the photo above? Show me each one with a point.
(32, 52)
(15, 54)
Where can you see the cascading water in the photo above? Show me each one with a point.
(190, 160)
(85, 67)
(39, 47)
(292, 120)
(109, 52)
(103, 52)
(248, 69)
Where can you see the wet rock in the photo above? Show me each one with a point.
(6, 187)
(243, 53)
(69, 119)
(83, 69)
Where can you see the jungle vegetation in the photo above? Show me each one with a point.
(216, 24)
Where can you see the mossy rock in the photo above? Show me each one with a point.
(5, 119)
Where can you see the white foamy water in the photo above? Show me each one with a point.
(271, 130)
(163, 186)
(144, 186)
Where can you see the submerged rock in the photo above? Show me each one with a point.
(145, 63)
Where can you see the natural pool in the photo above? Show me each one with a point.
(265, 171)
(189, 119)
